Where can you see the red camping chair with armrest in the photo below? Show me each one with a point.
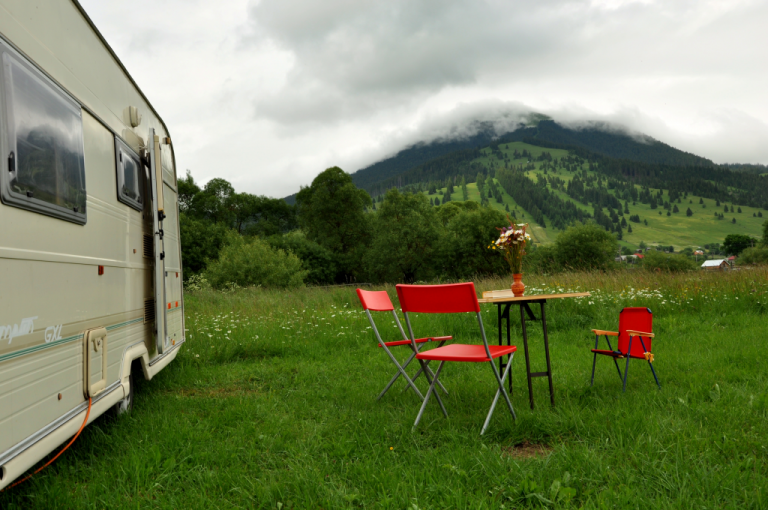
(634, 341)
(379, 301)
(454, 298)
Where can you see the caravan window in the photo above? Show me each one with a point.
(130, 176)
(45, 164)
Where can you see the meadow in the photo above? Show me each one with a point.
(677, 230)
(271, 403)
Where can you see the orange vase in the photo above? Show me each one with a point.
(518, 287)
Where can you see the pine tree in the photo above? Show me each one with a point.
(675, 209)
(733, 221)
(725, 208)
(731, 207)
(689, 212)
(629, 229)
(739, 209)
(669, 213)
(701, 200)
(717, 203)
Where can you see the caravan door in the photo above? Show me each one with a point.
(158, 215)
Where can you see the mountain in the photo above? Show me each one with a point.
(595, 138)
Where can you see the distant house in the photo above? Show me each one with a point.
(716, 265)
(640, 256)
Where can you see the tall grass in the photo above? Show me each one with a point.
(271, 404)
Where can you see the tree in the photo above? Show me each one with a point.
(739, 209)
(585, 246)
(675, 209)
(332, 213)
(734, 244)
(403, 239)
(629, 229)
(689, 212)
(765, 233)
(187, 191)
(462, 250)
(201, 242)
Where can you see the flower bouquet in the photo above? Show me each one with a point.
(512, 243)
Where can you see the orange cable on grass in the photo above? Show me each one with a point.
(88, 413)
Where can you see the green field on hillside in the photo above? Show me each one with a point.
(676, 230)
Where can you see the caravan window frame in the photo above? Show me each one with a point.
(123, 154)
(61, 118)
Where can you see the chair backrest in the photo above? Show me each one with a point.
(638, 319)
(378, 301)
(449, 298)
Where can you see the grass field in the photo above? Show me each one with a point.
(271, 404)
(677, 230)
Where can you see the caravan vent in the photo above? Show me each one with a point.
(149, 250)
(149, 310)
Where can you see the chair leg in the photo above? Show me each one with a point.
(496, 397)
(503, 390)
(654, 375)
(430, 378)
(400, 371)
(594, 362)
(429, 392)
(649, 363)
(418, 373)
(626, 369)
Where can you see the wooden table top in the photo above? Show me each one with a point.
(506, 296)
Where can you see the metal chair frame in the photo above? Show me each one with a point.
(617, 354)
(410, 383)
(490, 360)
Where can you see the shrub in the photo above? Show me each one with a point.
(541, 259)
(756, 255)
(317, 260)
(585, 246)
(247, 262)
(657, 260)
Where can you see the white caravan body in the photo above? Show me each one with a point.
(90, 260)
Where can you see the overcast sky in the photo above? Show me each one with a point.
(267, 94)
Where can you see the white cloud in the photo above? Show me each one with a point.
(267, 94)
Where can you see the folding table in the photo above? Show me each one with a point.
(504, 299)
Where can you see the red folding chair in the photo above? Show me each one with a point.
(454, 298)
(634, 324)
(379, 301)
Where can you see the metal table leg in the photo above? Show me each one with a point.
(525, 347)
(546, 350)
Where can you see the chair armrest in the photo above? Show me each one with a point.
(601, 332)
(632, 332)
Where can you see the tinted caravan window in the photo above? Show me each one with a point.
(45, 166)
(130, 176)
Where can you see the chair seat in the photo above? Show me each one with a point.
(615, 354)
(418, 341)
(466, 352)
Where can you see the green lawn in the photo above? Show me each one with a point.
(271, 404)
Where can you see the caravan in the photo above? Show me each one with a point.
(90, 260)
